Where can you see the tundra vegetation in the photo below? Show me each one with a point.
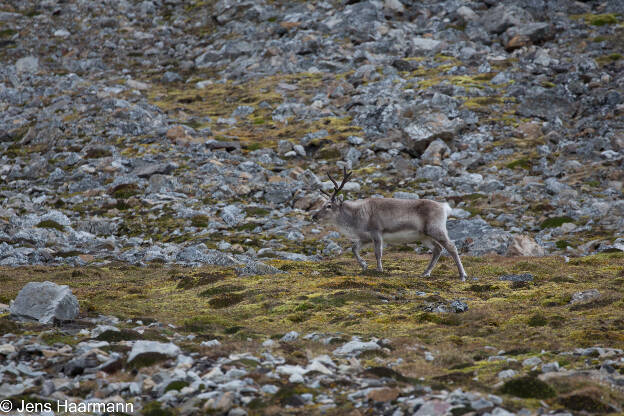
(163, 158)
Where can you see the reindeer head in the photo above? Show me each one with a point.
(329, 211)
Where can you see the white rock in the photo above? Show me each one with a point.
(356, 347)
(426, 44)
(268, 343)
(532, 361)
(7, 349)
(550, 367)
(141, 347)
(100, 329)
(211, 343)
(137, 85)
(290, 336)
(203, 84)
(394, 5)
(61, 33)
(505, 374)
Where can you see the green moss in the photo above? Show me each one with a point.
(601, 19)
(218, 290)
(257, 212)
(147, 359)
(200, 221)
(121, 335)
(246, 227)
(528, 387)
(50, 224)
(522, 163)
(155, 409)
(176, 385)
(562, 244)
(537, 319)
(553, 222)
(96, 153)
(125, 190)
(202, 279)
(286, 395)
(607, 59)
(585, 400)
(6, 33)
(225, 300)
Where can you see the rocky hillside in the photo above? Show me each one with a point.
(170, 131)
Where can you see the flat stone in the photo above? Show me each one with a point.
(525, 277)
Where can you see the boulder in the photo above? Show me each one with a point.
(45, 302)
(585, 296)
(427, 128)
(502, 17)
(523, 245)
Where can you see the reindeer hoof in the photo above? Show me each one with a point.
(463, 278)
(364, 266)
(425, 275)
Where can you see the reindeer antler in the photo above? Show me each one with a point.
(338, 188)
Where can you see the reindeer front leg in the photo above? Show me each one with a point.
(357, 245)
(378, 242)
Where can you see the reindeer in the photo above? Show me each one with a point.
(379, 220)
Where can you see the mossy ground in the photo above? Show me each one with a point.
(335, 297)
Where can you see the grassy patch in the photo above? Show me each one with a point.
(50, 224)
(334, 296)
(528, 387)
(601, 19)
(553, 222)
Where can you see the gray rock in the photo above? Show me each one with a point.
(505, 374)
(433, 408)
(428, 127)
(233, 215)
(27, 65)
(458, 306)
(356, 347)
(502, 17)
(532, 362)
(432, 173)
(150, 169)
(425, 44)
(405, 195)
(257, 268)
(45, 302)
(242, 111)
(585, 296)
(290, 336)
(199, 254)
(525, 277)
(278, 192)
(169, 77)
(481, 404)
(550, 367)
